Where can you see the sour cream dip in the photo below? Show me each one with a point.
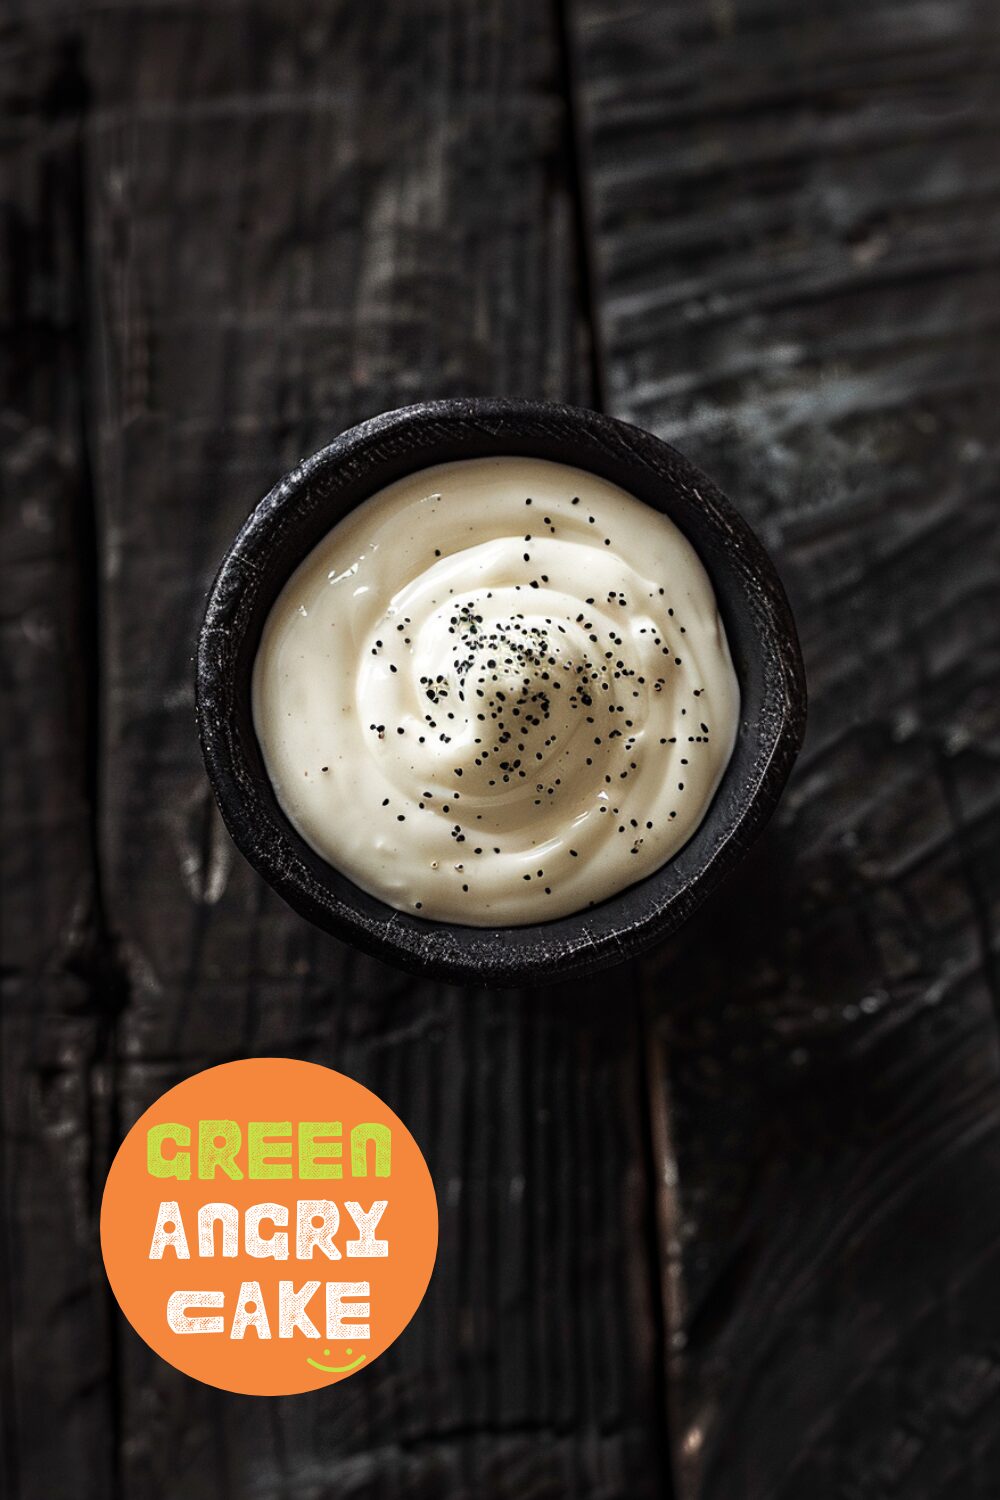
(497, 692)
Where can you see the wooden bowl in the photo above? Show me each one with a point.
(302, 508)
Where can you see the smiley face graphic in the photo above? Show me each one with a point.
(338, 1369)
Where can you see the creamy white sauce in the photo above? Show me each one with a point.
(497, 692)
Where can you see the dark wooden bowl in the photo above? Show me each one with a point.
(303, 507)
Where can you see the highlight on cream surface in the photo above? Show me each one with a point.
(497, 692)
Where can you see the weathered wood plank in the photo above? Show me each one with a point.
(301, 214)
(54, 1347)
(797, 260)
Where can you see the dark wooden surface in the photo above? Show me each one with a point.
(797, 256)
(725, 1223)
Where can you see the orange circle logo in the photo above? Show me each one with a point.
(269, 1226)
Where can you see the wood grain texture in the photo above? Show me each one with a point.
(301, 214)
(229, 230)
(797, 267)
(54, 1318)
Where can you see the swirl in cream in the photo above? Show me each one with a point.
(499, 691)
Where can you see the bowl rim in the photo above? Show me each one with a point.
(303, 506)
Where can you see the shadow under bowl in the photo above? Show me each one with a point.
(303, 507)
